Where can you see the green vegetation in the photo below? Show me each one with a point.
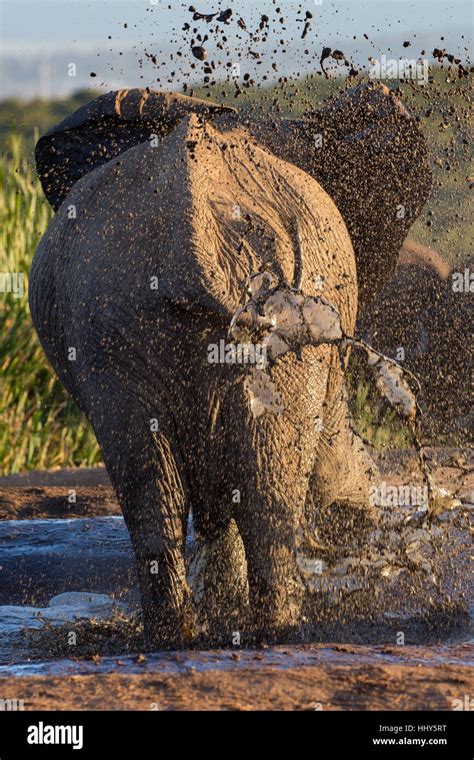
(445, 114)
(33, 118)
(375, 421)
(40, 427)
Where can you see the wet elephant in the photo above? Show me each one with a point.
(170, 215)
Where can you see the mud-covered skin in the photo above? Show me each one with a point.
(364, 148)
(370, 156)
(176, 431)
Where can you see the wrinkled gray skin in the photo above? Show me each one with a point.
(176, 432)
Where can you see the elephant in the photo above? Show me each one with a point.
(175, 224)
(421, 319)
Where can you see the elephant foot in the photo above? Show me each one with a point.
(276, 626)
(167, 629)
(217, 575)
(169, 617)
(276, 597)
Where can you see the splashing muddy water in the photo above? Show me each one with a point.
(406, 576)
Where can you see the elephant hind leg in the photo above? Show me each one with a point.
(146, 477)
(274, 456)
(275, 587)
(344, 470)
(217, 575)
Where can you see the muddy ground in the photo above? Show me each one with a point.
(333, 677)
(347, 678)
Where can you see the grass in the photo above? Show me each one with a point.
(375, 421)
(40, 427)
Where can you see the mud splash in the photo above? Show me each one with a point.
(404, 577)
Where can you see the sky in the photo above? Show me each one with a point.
(41, 38)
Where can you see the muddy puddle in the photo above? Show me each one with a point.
(280, 657)
(69, 601)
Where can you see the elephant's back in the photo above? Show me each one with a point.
(188, 220)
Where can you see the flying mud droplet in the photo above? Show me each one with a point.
(307, 25)
(199, 52)
(225, 16)
(197, 16)
(326, 52)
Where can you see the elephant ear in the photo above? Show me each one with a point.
(106, 127)
(369, 154)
